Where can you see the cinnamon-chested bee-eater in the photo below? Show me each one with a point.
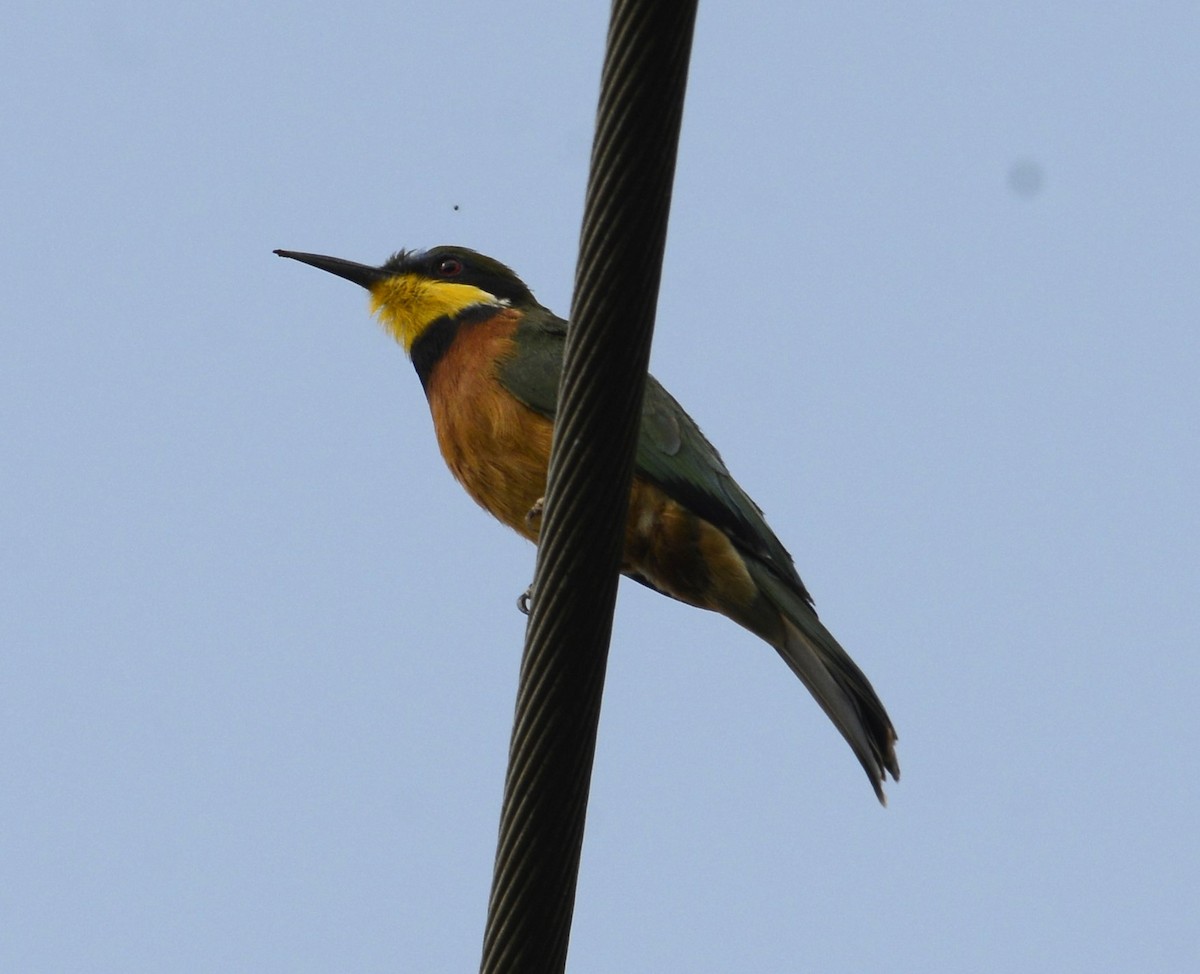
(489, 356)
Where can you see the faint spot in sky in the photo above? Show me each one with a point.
(1025, 178)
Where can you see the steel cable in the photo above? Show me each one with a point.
(591, 468)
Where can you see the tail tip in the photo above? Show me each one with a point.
(885, 764)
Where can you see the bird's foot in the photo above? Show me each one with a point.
(534, 514)
(532, 517)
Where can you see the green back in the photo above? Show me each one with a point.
(672, 452)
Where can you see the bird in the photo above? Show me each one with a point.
(489, 355)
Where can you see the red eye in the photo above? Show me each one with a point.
(450, 267)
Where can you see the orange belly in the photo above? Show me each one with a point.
(498, 449)
(682, 554)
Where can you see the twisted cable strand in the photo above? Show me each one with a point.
(587, 495)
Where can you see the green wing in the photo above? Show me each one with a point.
(672, 452)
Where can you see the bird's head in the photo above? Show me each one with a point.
(415, 288)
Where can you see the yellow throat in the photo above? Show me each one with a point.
(407, 304)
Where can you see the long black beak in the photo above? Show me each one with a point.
(360, 274)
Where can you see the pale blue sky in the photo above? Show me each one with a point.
(258, 652)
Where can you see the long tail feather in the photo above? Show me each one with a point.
(833, 678)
